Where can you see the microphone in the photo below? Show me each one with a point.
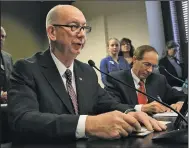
(172, 75)
(92, 64)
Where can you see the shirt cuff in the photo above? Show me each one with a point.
(80, 131)
(138, 107)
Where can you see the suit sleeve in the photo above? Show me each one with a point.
(171, 94)
(25, 115)
(111, 99)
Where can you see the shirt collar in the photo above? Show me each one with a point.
(60, 66)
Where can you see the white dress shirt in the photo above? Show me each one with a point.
(136, 81)
(80, 130)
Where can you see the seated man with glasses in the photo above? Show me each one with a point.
(141, 77)
(54, 97)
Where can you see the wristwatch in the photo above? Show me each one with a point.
(130, 110)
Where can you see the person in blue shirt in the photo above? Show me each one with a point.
(113, 62)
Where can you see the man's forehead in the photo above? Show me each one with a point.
(71, 15)
(150, 53)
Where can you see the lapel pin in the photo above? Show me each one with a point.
(80, 79)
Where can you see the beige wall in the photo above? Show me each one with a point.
(112, 19)
(107, 18)
(21, 42)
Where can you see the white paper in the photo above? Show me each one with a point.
(167, 114)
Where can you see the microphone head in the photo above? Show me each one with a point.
(91, 63)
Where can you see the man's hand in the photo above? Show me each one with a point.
(149, 122)
(177, 106)
(153, 107)
(111, 125)
(3, 95)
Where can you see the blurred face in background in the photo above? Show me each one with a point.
(125, 47)
(3, 36)
(171, 52)
(113, 47)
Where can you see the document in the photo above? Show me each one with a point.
(167, 114)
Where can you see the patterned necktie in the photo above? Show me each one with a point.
(142, 99)
(71, 92)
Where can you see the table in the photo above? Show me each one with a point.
(129, 142)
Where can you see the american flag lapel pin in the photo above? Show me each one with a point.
(80, 79)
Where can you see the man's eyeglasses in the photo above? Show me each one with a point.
(75, 28)
(148, 65)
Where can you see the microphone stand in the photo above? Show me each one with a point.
(183, 134)
(173, 75)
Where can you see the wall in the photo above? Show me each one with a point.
(25, 26)
(112, 19)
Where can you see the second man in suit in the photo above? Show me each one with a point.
(141, 77)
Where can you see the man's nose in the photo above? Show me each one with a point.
(81, 32)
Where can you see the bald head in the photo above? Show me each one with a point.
(3, 36)
(59, 12)
(3, 31)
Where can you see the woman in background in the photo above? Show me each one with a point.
(113, 62)
(127, 50)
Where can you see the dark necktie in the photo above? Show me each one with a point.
(71, 92)
(142, 99)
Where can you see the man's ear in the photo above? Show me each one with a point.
(134, 59)
(51, 33)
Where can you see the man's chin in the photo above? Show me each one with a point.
(143, 77)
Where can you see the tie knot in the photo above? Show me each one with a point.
(141, 83)
(68, 75)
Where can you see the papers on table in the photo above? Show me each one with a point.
(166, 114)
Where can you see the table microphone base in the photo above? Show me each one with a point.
(175, 136)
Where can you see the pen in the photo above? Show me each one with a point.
(159, 98)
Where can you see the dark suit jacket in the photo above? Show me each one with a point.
(170, 68)
(8, 65)
(39, 105)
(156, 84)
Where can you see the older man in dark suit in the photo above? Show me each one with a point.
(6, 65)
(141, 77)
(53, 95)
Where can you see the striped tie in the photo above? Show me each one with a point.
(71, 92)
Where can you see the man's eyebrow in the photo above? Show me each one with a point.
(74, 22)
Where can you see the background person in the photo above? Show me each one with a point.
(113, 62)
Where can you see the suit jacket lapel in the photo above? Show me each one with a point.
(80, 87)
(5, 61)
(52, 75)
(131, 92)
